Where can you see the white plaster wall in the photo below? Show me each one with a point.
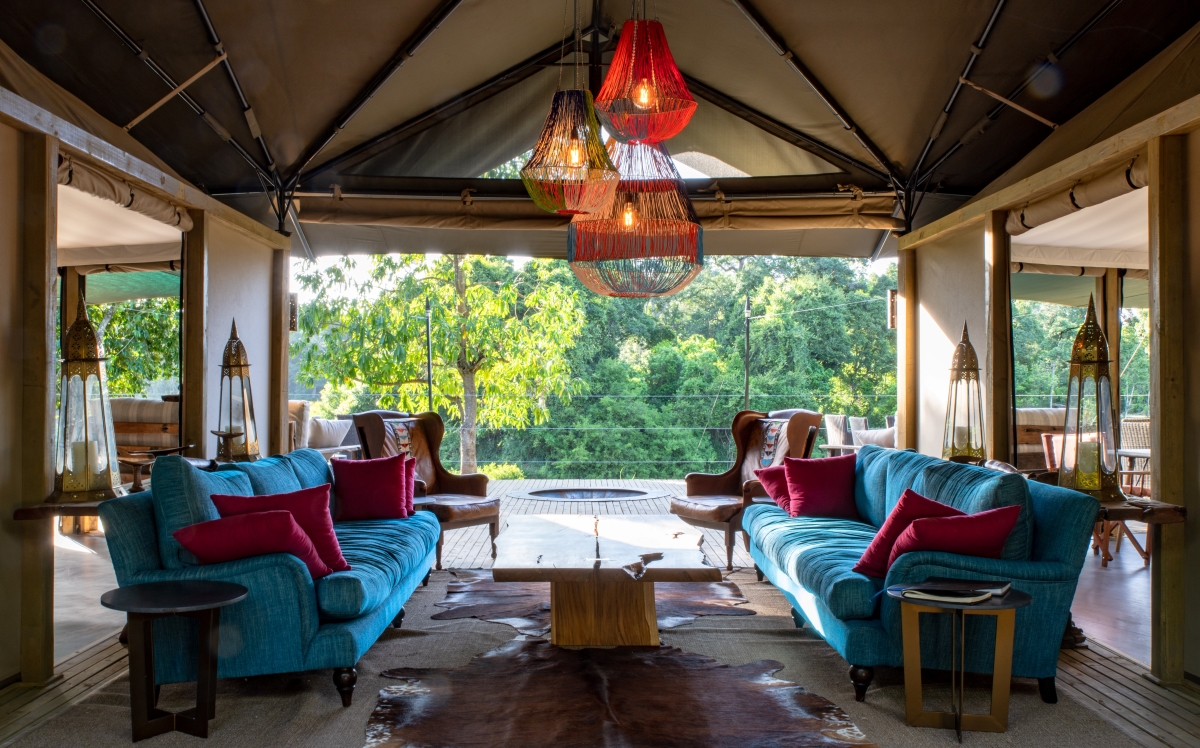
(239, 287)
(951, 290)
(10, 401)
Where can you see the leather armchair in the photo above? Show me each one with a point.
(716, 500)
(457, 501)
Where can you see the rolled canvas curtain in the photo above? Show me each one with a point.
(1076, 271)
(1094, 191)
(83, 177)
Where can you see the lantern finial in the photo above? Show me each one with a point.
(1090, 344)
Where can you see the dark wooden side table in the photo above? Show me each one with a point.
(145, 603)
(1004, 609)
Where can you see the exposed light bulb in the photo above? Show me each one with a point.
(628, 217)
(575, 152)
(644, 95)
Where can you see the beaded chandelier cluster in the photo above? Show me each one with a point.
(649, 242)
(570, 171)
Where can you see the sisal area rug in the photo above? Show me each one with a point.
(526, 605)
(537, 695)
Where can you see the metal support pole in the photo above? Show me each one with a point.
(746, 399)
(429, 351)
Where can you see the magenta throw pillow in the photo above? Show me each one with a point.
(911, 506)
(247, 535)
(821, 487)
(310, 508)
(369, 489)
(981, 534)
(410, 483)
(774, 482)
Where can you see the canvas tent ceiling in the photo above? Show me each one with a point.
(301, 64)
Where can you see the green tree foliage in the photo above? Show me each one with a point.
(141, 340)
(500, 341)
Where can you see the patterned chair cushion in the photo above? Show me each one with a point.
(397, 436)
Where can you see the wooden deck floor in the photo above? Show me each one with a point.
(1103, 680)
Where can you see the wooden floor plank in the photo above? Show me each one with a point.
(1091, 700)
(1136, 689)
(1157, 724)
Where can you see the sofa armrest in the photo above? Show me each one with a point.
(752, 489)
(919, 566)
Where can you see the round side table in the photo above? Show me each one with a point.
(145, 603)
(1004, 609)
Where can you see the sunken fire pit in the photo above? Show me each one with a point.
(589, 493)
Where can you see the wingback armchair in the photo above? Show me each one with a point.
(456, 500)
(716, 501)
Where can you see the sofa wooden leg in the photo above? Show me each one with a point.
(494, 530)
(861, 678)
(344, 679)
(729, 543)
(1048, 691)
(441, 541)
(758, 573)
(425, 581)
(398, 620)
(797, 619)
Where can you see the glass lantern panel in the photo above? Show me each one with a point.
(97, 442)
(1107, 439)
(1087, 466)
(251, 426)
(60, 431)
(75, 427)
(237, 417)
(1071, 430)
(106, 406)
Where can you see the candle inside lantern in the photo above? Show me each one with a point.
(1088, 460)
(961, 437)
(85, 455)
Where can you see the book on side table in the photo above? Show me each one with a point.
(958, 591)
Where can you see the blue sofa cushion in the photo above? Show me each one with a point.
(381, 553)
(974, 489)
(181, 498)
(310, 466)
(818, 553)
(267, 476)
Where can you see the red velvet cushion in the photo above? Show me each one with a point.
(370, 489)
(310, 507)
(254, 534)
(912, 506)
(774, 482)
(981, 534)
(822, 487)
(410, 483)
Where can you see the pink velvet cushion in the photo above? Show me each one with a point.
(981, 534)
(309, 506)
(774, 482)
(254, 534)
(370, 489)
(912, 506)
(822, 487)
(410, 483)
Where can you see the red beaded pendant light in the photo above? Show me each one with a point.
(570, 172)
(644, 98)
(649, 243)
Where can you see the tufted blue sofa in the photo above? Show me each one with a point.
(287, 623)
(810, 560)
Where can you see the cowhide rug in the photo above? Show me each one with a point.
(526, 605)
(529, 693)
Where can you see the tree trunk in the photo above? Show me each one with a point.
(470, 410)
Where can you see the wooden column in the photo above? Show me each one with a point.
(39, 276)
(1168, 389)
(194, 364)
(907, 354)
(997, 387)
(277, 440)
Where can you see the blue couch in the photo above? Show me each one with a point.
(287, 623)
(810, 560)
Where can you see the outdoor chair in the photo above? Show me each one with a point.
(716, 501)
(456, 500)
(838, 440)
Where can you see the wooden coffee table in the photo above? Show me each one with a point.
(601, 571)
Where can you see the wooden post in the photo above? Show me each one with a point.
(277, 438)
(1108, 309)
(908, 390)
(997, 387)
(39, 271)
(1168, 390)
(194, 363)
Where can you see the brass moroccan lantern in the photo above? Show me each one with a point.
(963, 440)
(1089, 456)
(85, 457)
(237, 434)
